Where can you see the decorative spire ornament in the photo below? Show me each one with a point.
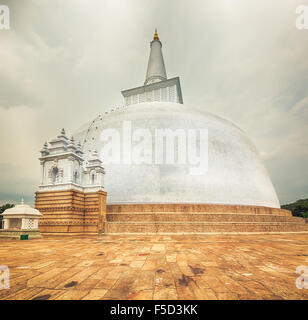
(156, 35)
(156, 66)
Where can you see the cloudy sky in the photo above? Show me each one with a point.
(63, 62)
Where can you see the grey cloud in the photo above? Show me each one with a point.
(67, 61)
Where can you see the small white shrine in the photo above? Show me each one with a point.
(20, 220)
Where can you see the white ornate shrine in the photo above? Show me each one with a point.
(19, 220)
(63, 167)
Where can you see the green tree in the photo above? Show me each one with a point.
(6, 206)
(299, 208)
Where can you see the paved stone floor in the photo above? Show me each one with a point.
(156, 267)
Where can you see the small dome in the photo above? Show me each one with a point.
(22, 209)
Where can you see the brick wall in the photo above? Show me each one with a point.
(71, 212)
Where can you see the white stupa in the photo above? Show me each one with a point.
(234, 172)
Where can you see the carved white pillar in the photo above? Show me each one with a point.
(5, 223)
(42, 172)
(70, 169)
(23, 224)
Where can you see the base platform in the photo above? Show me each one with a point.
(15, 234)
(198, 219)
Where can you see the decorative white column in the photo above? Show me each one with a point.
(42, 171)
(5, 223)
(22, 224)
(70, 169)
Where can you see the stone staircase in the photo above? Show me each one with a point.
(190, 218)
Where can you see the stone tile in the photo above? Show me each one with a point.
(73, 295)
(77, 278)
(162, 293)
(95, 294)
(25, 294)
(44, 277)
(47, 294)
(204, 294)
(158, 247)
(149, 265)
(141, 295)
(61, 277)
(144, 281)
(137, 264)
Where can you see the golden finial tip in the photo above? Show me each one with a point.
(156, 35)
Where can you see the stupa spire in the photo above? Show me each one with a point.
(156, 67)
(156, 88)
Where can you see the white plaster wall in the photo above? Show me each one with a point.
(166, 94)
(235, 175)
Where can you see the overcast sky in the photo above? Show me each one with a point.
(63, 62)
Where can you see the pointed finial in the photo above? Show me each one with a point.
(62, 135)
(45, 149)
(95, 154)
(45, 146)
(156, 35)
(22, 201)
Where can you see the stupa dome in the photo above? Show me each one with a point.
(234, 171)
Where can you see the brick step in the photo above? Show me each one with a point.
(203, 227)
(199, 217)
(194, 208)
